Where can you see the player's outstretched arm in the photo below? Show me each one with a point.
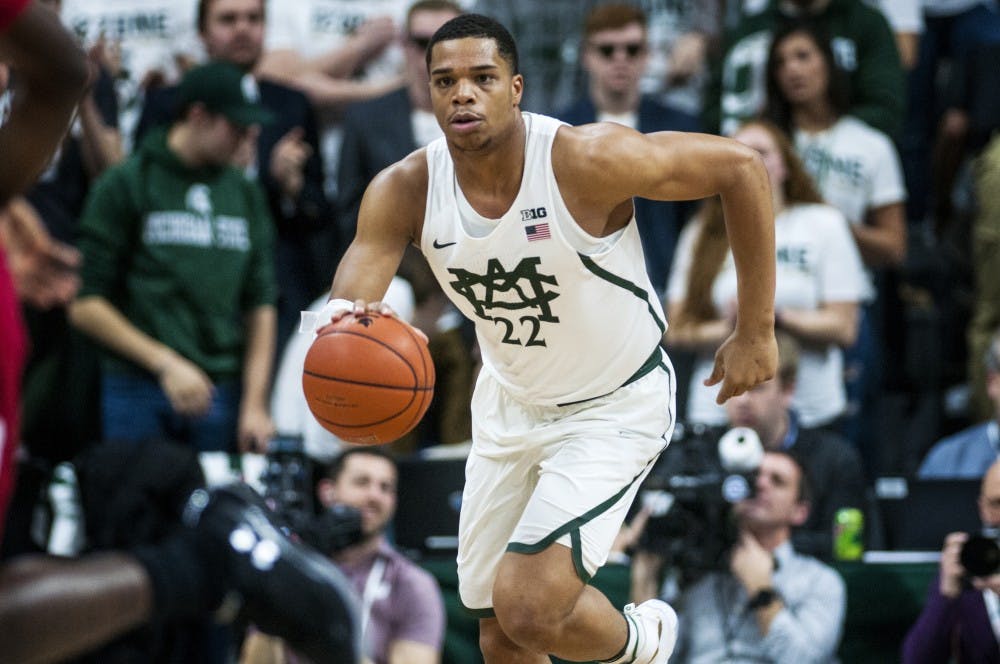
(685, 166)
(390, 218)
(51, 78)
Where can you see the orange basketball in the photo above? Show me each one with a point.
(368, 379)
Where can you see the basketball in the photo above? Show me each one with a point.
(368, 379)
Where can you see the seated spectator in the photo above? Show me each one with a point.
(970, 127)
(820, 281)
(285, 157)
(681, 35)
(773, 604)
(144, 44)
(615, 55)
(958, 623)
(970, 452)
(865, 49)
(337, 53)
(855, 166)
(857, 170)
(402, 611)
(830, 461)
(548, 44)
(178, 282)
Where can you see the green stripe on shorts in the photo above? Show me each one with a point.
(573, 528)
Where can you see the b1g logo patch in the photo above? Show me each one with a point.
(533, 213)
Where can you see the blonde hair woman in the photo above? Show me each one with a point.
(820, 282)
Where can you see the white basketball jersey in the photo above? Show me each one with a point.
(561, 316)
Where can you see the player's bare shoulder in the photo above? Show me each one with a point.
(399, 193)
(599, 150)
(595, 162)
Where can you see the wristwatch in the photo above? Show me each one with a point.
(763, 597)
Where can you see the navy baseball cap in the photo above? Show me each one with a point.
(226, 89)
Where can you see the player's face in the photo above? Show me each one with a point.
(368, 483)
(615, 59)
(759, 139)
(474, 95)
(234, 31)
(776, 501)
(801, 71)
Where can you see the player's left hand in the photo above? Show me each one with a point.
(361, 308)
(744, 360)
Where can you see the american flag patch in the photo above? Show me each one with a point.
(537, 232)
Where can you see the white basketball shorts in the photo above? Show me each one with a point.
(539, 475)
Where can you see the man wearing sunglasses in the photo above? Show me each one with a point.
(615, 54)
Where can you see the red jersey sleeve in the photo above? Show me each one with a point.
(10, 10)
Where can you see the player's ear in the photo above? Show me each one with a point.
(517, 87)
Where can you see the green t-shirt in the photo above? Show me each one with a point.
(183, 253)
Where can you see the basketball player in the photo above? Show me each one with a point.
(51, 609)
(528, 226)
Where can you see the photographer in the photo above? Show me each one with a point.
(773, 604)
(961, 619)
(402, 611)
(831, 462)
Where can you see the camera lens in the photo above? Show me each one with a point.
(980, 556)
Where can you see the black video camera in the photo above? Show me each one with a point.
(289, 490)
(980, 555)
(702, 475)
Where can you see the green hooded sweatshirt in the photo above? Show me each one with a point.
(183, 253)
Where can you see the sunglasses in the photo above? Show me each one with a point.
(631, 49)
(419, 41)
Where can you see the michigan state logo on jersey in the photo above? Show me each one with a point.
(517, 300)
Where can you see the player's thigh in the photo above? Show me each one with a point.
(496, 492)
(586, 486)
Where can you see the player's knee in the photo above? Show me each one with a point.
(527, 614)
(526, 626)
(494, 644)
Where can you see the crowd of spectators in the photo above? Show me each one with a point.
(193, 235)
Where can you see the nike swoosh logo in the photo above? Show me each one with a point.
(442, 245)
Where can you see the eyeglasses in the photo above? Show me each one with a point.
(419, 41)
(632, 49)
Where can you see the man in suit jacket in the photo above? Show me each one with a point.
(615, 54)
(961, 619)
(381, 131)
(285, 157)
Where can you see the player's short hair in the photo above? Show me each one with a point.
(481, 27)
(205, 5)
(612, 17)
(336, 467)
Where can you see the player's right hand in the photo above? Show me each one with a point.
(743, 361)
(187, 387)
